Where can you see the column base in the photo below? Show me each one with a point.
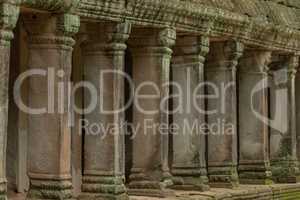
(3, 191)
(89, 196)
(223, 177)
(50, 189)
(286, 171)
(190, 179)
(259, 174)
(151, 186)
(103, 187)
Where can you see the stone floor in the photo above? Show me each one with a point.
(244, 192)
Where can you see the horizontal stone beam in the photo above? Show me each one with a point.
(51, 5)
(261, 23)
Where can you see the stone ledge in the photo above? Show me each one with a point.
(255, 192)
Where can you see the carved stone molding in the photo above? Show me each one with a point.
(253, 22)
(58, 6)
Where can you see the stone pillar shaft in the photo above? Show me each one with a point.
(9, 19)
(104, 150)
(189, 143)
(151, 67)
(254, 158)
(220, 71)
(49, 142)
(283, 139)
(297, 108)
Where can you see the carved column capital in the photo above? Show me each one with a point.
(167, 37)
(292, 65)
(148, 41)
(284, 69)
(224, 55)
(9, 13)
(118, 36)
(68, 24)
(190, 51)
(105, 36)
(203, 46)
(234, 50)
(263, 60)
(165, 40)
(52, 29)
(191, 45)
(8, 20)
(119, 33)
(256, 61)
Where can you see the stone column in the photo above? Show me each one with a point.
(49, 141)
(254, 158)
(220, 72)
(297, 105)
(151, 69)
(103, 173)
(283, 138)
(9, 17)
(189, 143)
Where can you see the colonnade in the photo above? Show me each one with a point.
(250, 151)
